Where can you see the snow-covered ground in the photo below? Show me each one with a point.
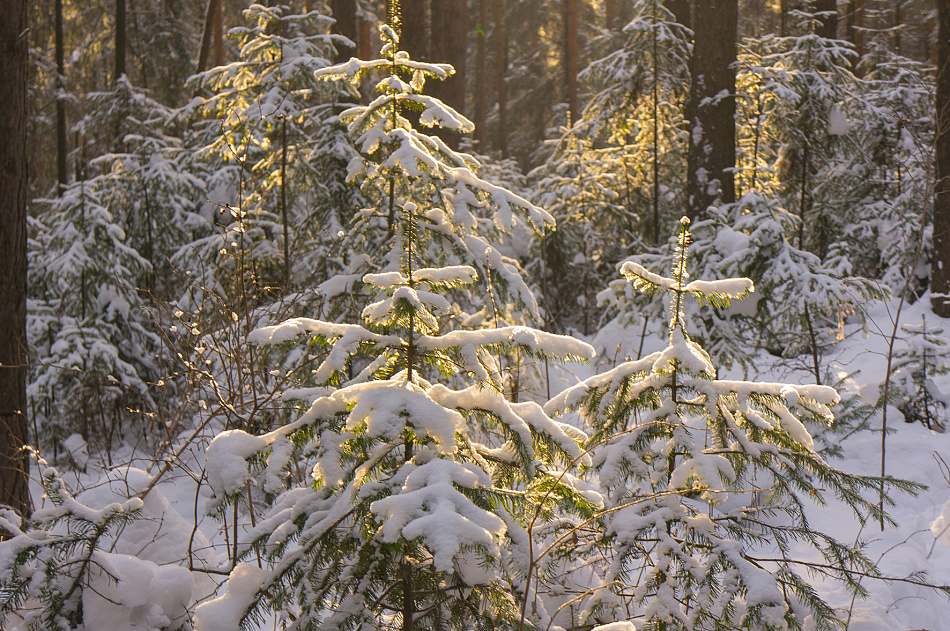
(149, 555)
(920, 542)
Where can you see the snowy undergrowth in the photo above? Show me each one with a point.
(151, 554)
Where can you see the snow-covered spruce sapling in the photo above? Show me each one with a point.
(706, 483)
(398, 498)
(92, 343)
(266, 131)
(45, 569)
(915, 393)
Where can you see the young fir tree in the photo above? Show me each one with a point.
(406, 494)
(595, 229)
(893, 124)
(99, 264)
(914, 368)
(706, 483)
(45, 569)
(638, 94)
(267, 132)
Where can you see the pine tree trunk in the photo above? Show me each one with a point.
(481, 76)
(828, 19)
(610, 14)
(449, 44)
(218, 33)
(414, 38)
(898, 23)
(61, 149)
(680, 11)
(855, 22)
(120, 37)
(712, 106)
(570, 58)
(364, 50)
(205, 48)
(501, 68)
(940, 268)
(344, 12)
(14, 465)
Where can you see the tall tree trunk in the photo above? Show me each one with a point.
(414, 38)
(449, 44)
(680, 11)
(61, 149)
(363, 48)
(344, 12)
(501, 68)
(610, 14)
(855, 23)
(120, 37)
(14, 465)
(481, 76)
(219, 33)
(828, 19)
(898, 23)
(570, 58)
(712, 106)
(940, 268)
(205, 49)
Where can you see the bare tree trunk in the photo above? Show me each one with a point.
(501, 68)
(218, 33)
(828, 19)
(680, 10)
(61, 148)
(712, 106)
(14, 465)
(940, 269)
(120, 37)
(855, 22)
(570, 58)
(414, 38)
(610, 14)
(898, 22)
(344, 12)
(449, 43)
(481, 76)
(205, 48)
(363, 49)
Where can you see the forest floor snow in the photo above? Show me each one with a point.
(920, 542)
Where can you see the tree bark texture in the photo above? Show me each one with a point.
(712, 106)
(120, 39)
(898, 24)
(940, 267)
(501, 68)
(364, 34)
(828, 19)
(344, 12)
(449, 44)
(414, 38)
(218, 33)
(205, 49)
(610, 14)
(680, 11)
(481, 75)
(14, 464)
(570, 58)
(61, 148)
(855, 23)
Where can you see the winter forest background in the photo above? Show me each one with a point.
(448, 314)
